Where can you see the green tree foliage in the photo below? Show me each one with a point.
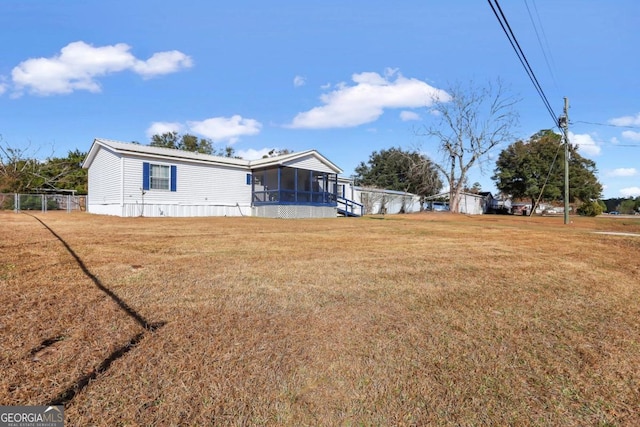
(21, 172)
(590, 208)
(227, 151)
(195, 144)
(64, 173)
(476, 188)
(621, 204)
(277, 152)
(184, 142)
(395, 169)
(629, 206)
(165, 140)
(523, 167)
(188, 142)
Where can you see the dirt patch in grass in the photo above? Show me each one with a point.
(411, 320)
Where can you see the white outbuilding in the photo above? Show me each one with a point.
(468, 203)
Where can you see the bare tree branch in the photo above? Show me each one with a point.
(471, 124)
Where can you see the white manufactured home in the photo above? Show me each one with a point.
(369, 200)
(130, 180)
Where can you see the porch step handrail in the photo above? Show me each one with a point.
(350, 207)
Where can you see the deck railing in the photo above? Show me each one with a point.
(349, 207)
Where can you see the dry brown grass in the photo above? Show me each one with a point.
(430, 319)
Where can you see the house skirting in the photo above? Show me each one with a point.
(295, 211)
(168, 210)
(179, 210)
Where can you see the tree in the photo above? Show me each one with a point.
(21, 172)
(475, 189)
(592, 208)
(472, 122)
(533, 169)
(629, 206)
(188, 142)
(395, 169)
(18, 172)
(165, 140)
(275, 152)
(227, 151)
(64, 173)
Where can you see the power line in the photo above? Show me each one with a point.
(542, 47)
(506, 28)
(607, 124)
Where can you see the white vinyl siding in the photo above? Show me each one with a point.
(201, 187)
(310, 163)
(103, 178)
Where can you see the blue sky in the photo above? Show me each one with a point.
(343, 77)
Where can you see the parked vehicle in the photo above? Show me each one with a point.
(437, 206)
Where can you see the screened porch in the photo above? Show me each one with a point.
(284, 185)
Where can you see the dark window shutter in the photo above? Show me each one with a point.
(248, 179)
(145, 176)
(174, 175)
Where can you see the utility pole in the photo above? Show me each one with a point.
(563, 122)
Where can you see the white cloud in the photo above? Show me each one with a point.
(586, 144)
(299, 81)
(158, 128)
(365, 102)
(252, 154)
(226, 129)
(407, 116)
(162, 63)
(626, 120)
(623, 172)
(79, 65)
(629, 134)
(630, 192)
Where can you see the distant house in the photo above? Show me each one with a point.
(369, 200)
(501, 204)
(489, 201)
(131, 180)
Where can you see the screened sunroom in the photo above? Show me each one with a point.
(284, 185)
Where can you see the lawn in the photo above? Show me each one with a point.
(423, 319)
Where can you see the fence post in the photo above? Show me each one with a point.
(16, 203)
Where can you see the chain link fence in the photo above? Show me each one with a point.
(42, 202)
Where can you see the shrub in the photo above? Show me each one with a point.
(592, 208)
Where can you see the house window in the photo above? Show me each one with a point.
(159, 177)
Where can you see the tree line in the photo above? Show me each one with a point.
(22, 172)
